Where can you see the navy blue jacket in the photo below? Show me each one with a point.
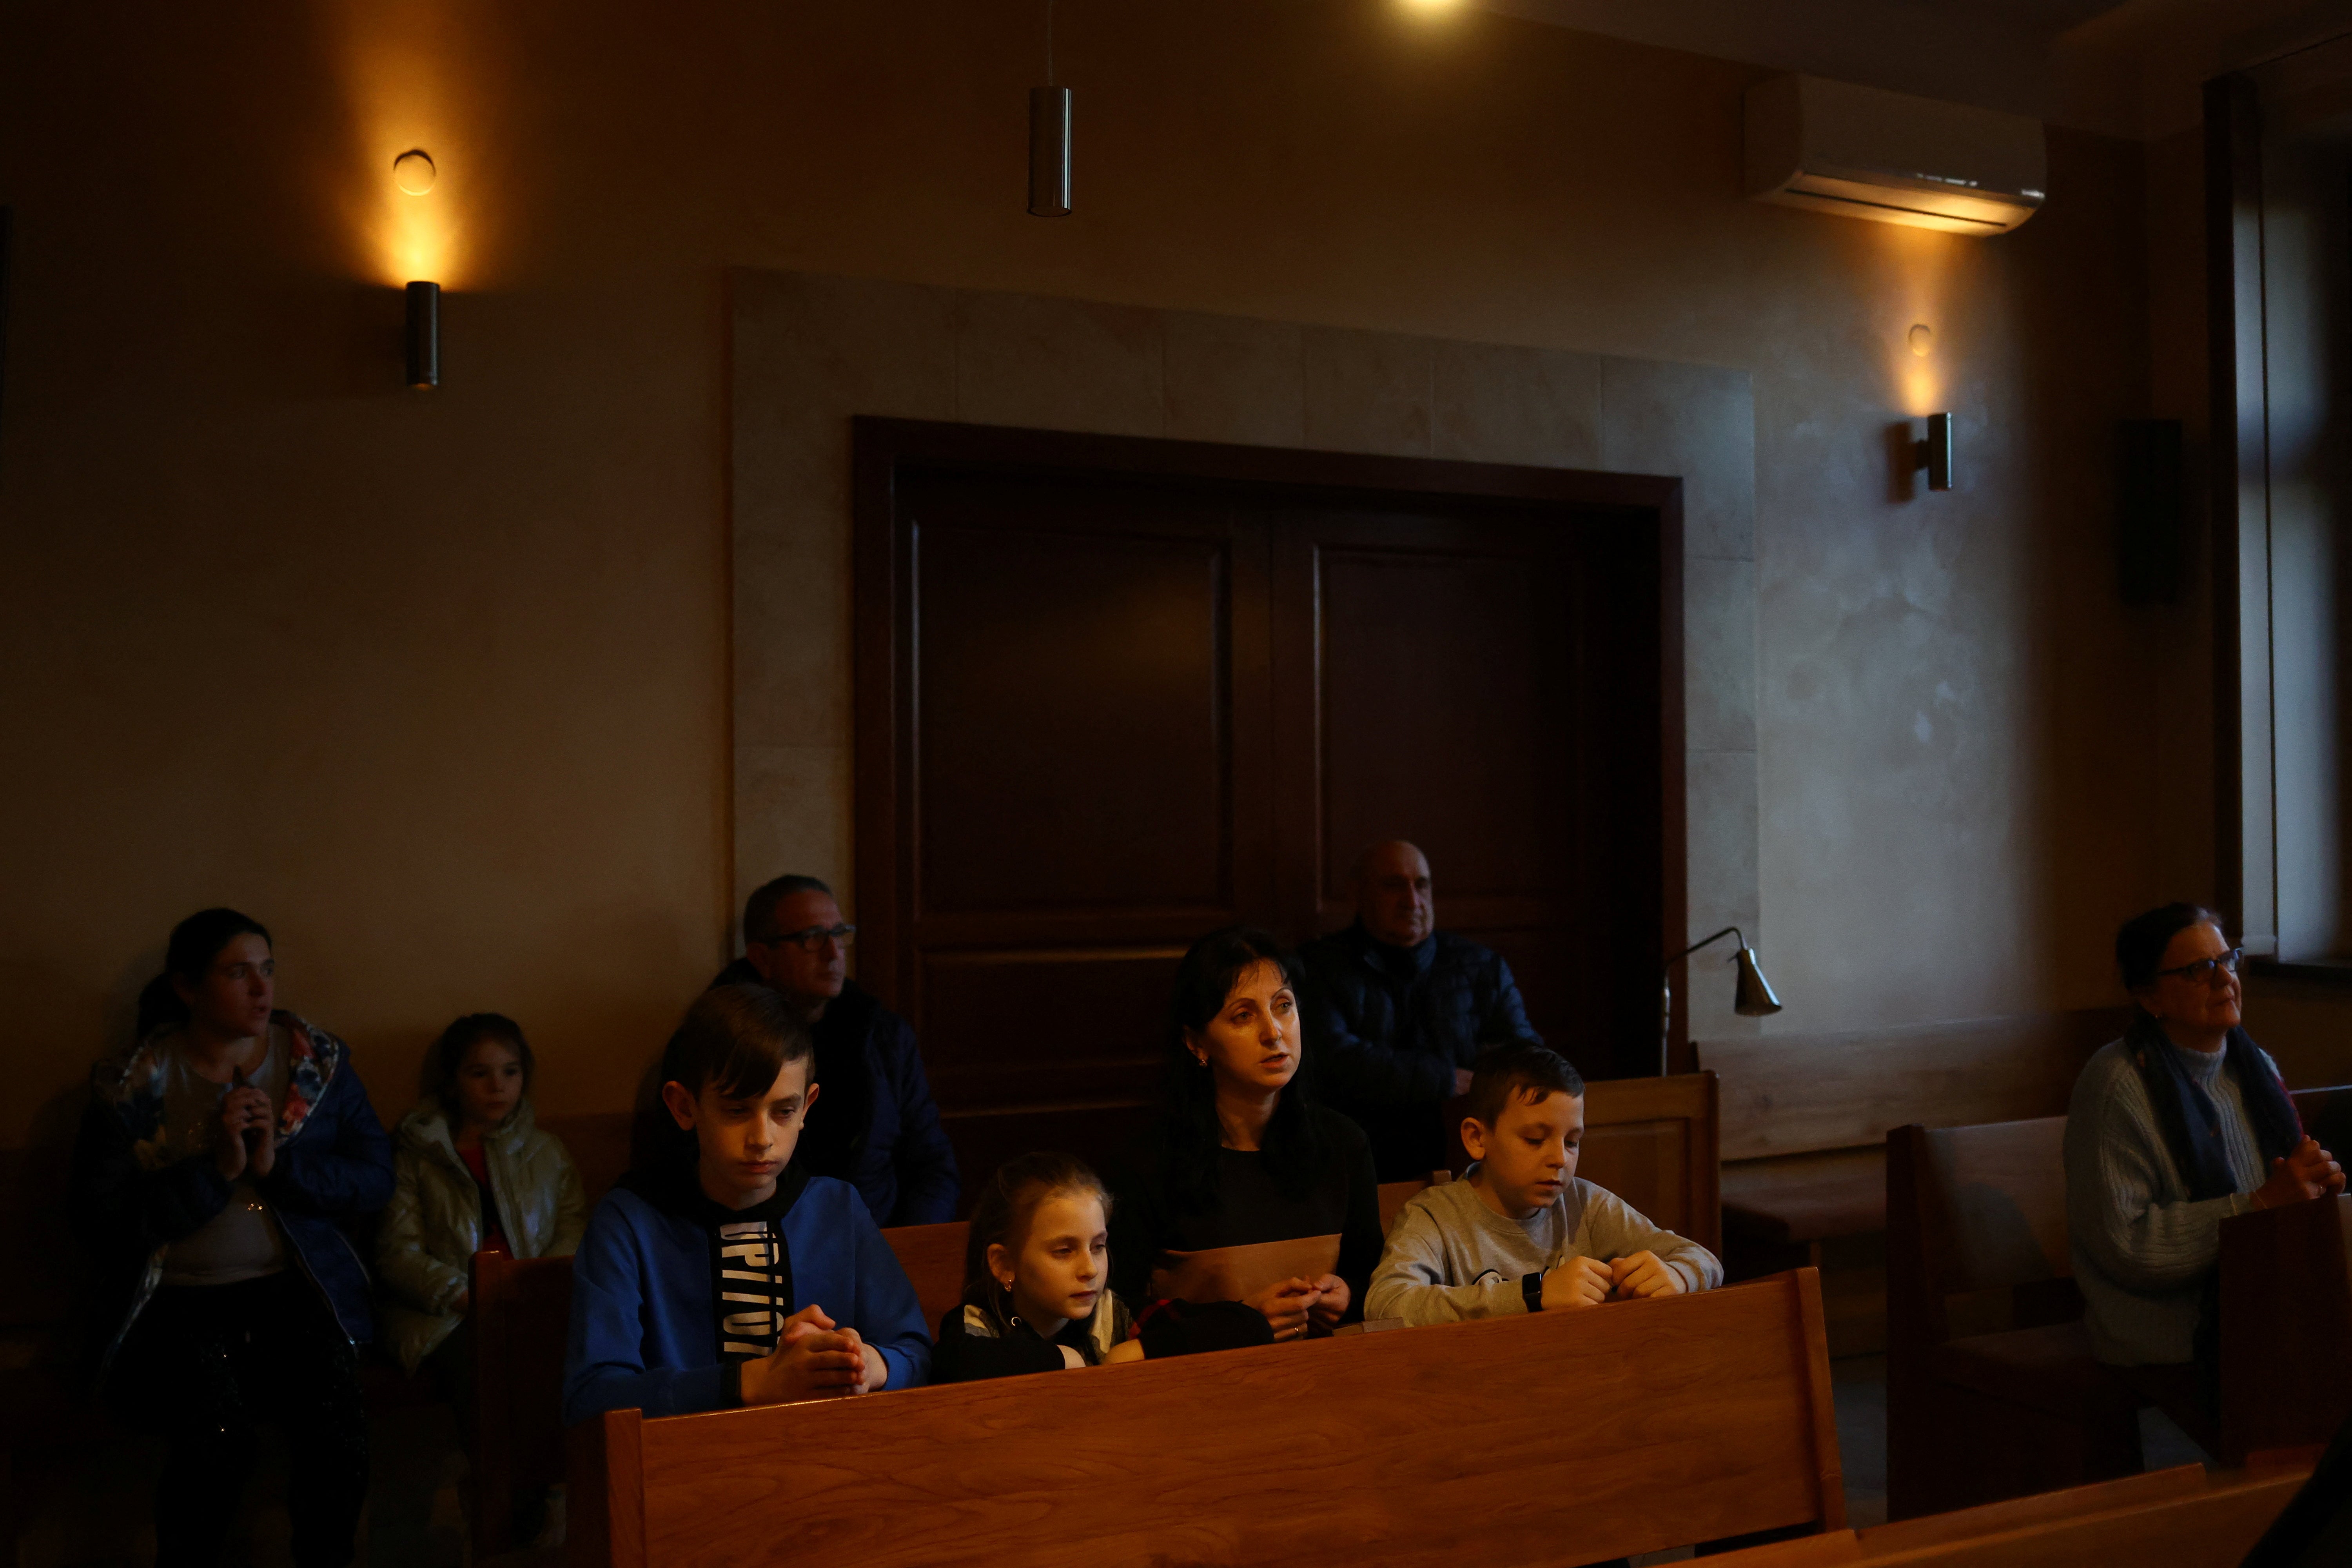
(875, 1125)
(644, 1331)
(132, 1197)
(1387, 1026)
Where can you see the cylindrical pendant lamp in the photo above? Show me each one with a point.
(1049, 152)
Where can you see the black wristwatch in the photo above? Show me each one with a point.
(1531, 1287)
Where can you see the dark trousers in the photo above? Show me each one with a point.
(206, 1368)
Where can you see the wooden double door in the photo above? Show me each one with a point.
(1113, 694)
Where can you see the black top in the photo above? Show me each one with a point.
(960, 1356)
(1251, 1208)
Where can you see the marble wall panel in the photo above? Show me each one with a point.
(1368, 392)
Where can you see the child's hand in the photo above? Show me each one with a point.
(1331, 1304)
(1122, 1353)
(872, 1371)
(1642, 1275)
(1577, 1283)
(1284, 1307)
(811, 1361)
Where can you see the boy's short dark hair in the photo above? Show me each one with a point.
(735, 1039)
(1505, 1072)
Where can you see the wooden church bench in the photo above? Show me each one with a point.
(2183, 1518)
(1992, 1390)
(1688, 1417)
(1805, 1118)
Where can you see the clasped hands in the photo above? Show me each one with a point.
(1589, 1281)
(247, 1138)
(2307, 1172)
(1291, 1306)
(813, 1359)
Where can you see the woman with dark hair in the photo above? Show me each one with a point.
(475, 1175)
(1244, 1154)
(215, 1163)
(2173, 1129)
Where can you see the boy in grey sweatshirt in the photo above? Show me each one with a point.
(1519, 1233)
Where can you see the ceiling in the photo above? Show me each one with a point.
(2127, 68)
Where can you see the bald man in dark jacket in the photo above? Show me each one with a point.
(1396, 1012)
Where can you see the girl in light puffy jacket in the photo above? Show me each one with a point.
(474, 1174)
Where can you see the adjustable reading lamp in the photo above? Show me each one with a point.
(1752, 999)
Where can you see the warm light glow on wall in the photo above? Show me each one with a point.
(408, 79)
(1431, 7)
(1919, 341)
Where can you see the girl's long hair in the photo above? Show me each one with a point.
(1190, 1136)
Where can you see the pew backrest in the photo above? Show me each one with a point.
(1993, 1201)
(1652, 1141)
(1394, 1195)
(2183, 1518)
(1973, 1209)
(1456, 1443)
(522, 1321)
(1792, 1094)
(598, 1142)
(2326, 1115)
(932, 1256)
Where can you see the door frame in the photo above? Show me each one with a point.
(882, 703)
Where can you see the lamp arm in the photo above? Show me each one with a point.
(1666, 991)
(1727, 930)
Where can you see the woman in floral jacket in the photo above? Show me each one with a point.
(216, 1166)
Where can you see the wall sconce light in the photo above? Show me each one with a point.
(425, 334)
(1049, 139)
(1751, 996)
(1934, 453)
(1049, 152)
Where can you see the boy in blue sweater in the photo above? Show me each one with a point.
(717, 1273)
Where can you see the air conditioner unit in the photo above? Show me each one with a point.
(1867, 153)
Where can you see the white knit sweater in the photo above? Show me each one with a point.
(2141, 1248)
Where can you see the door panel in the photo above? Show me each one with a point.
(1113, 694)
(1072, 733)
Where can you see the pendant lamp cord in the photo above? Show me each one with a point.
(1049, 43)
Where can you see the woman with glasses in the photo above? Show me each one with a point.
(2173, 1129)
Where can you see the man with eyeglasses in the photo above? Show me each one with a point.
(875, 1126)
(1396, 1011)
(2171, 1130)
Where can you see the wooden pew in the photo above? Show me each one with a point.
(1992, 1390)
(2183, 1518)
(2286, 1326)
(932, 1256)
(1688, 1417)
(522, 1319)
(1804, 1124)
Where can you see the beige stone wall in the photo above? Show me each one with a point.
(440, 685)
(811, 351)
